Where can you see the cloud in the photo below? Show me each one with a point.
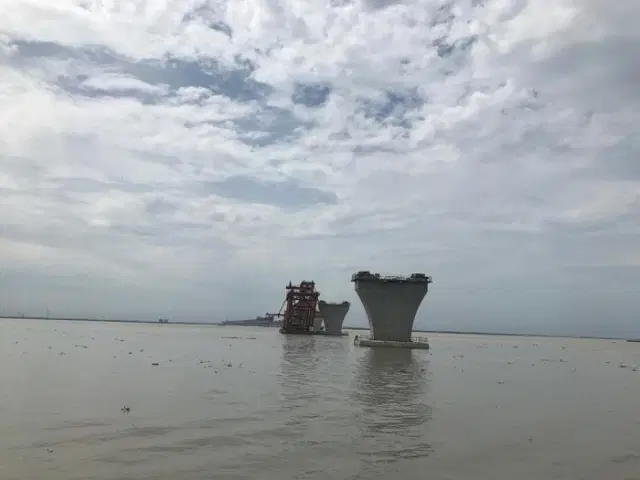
(188, 159)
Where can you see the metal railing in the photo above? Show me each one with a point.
(364, 276)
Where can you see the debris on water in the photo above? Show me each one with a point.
(500, 382)
(155, 364)
(130, 353)
(80, 346)
(50, 450)
(141, 350)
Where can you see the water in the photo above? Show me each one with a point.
(248, 403)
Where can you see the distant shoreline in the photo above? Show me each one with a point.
(106, 320)
(346, 327)
(499, 334)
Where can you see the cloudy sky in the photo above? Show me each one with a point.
(186, 159)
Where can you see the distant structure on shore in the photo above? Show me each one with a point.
(260, 321)
(391, 304)
(163, 320)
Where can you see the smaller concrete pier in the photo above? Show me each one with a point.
(333, 314)
(317, 323)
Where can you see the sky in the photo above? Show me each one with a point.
(187, 159)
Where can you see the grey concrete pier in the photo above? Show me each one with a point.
(333, 314)
(391, 304)
(317, 323)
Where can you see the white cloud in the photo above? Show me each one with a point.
(189, 156)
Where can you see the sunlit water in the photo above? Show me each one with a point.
(249, 403)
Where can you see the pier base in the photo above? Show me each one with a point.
(321, 332)
(415, 342)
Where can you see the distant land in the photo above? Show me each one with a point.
(108, 320)
(346, 327)
(498, 334)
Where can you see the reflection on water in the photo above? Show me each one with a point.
(297, 369)
(391, 387)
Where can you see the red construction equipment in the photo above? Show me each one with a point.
(301, 303)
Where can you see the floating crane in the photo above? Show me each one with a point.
(300, 304)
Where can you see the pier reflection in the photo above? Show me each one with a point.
(298, 371)
(391, 388)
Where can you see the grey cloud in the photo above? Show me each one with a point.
(394, 106)
(311, 95)
(285, 194)
(158, 206)
(619, 162)
(269, 125)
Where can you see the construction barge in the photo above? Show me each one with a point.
(305, 314)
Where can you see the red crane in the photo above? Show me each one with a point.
(300, 308)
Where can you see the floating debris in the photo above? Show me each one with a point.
(155, 364)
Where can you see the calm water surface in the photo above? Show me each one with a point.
(245, 403)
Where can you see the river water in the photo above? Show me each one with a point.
(249, 403)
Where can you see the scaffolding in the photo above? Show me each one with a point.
(300, 304)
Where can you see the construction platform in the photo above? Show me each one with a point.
(421, 343)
